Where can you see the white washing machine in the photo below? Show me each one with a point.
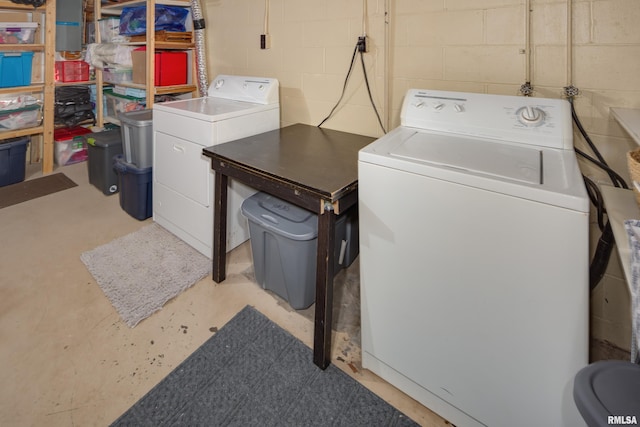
(474, 258)
(236, 107)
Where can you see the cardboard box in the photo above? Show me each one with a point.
(170, 67)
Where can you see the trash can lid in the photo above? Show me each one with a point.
(104, 139)
(281, 217)
(607, 387)
(121, 166)
(137, 117)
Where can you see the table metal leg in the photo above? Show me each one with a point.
(219, 227)
(324, 289)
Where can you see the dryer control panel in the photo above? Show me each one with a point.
(542, 122)
(258, 90)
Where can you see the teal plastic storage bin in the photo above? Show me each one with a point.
(13, 156)
(15, 68)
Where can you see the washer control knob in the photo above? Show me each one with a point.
(531, 116)
(219, 83)
(459, 108)
(419, 104)
(438, 106)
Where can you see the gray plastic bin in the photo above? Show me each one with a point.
(284, 245)
(137, 137)
(102, 147)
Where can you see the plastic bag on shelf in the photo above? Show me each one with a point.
(133, 20)
(34, 3)
(17, 100)
(73, 105)
(21, 118)
(101, 55)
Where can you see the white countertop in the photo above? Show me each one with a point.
(621, 205)
(629, 119)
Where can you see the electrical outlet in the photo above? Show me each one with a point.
(265, 41)
(362, 44)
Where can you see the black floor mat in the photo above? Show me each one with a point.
(34, 188)
(253, 373)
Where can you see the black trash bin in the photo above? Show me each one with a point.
(102, 148)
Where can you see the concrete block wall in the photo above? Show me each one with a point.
(462, 45)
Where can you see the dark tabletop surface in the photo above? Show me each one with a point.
(322, 160)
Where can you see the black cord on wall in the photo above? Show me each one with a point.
(373, 104)
(344, 86)
(616, 179)
(346, 81)
(607, 241)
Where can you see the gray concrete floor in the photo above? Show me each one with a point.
(67, 359)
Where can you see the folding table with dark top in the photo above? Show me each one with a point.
(308, 166)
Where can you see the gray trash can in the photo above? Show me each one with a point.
(284, 245)
(137, 137)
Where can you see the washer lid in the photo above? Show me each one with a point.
(497, 160)
(540, 174)
(212, 109)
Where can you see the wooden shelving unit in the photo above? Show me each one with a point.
(45, 15)
(151, 90)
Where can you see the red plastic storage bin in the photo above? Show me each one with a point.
(170, 67)
(72, 71)
(69, 146)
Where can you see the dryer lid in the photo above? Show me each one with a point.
(228, 97)
(212, 109)
(497, 160)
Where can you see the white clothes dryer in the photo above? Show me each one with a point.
(236, 107)
(474, 258)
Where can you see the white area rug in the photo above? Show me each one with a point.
(143, 270)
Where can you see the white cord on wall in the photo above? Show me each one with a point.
(527, 36)
(364, 17)
(569, 43)
(387, 62)
(527, 89)
(266, 17)
(570, 91)
(265, 38)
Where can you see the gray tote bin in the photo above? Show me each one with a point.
(284, 245)
(137, 137)
(102, 147)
